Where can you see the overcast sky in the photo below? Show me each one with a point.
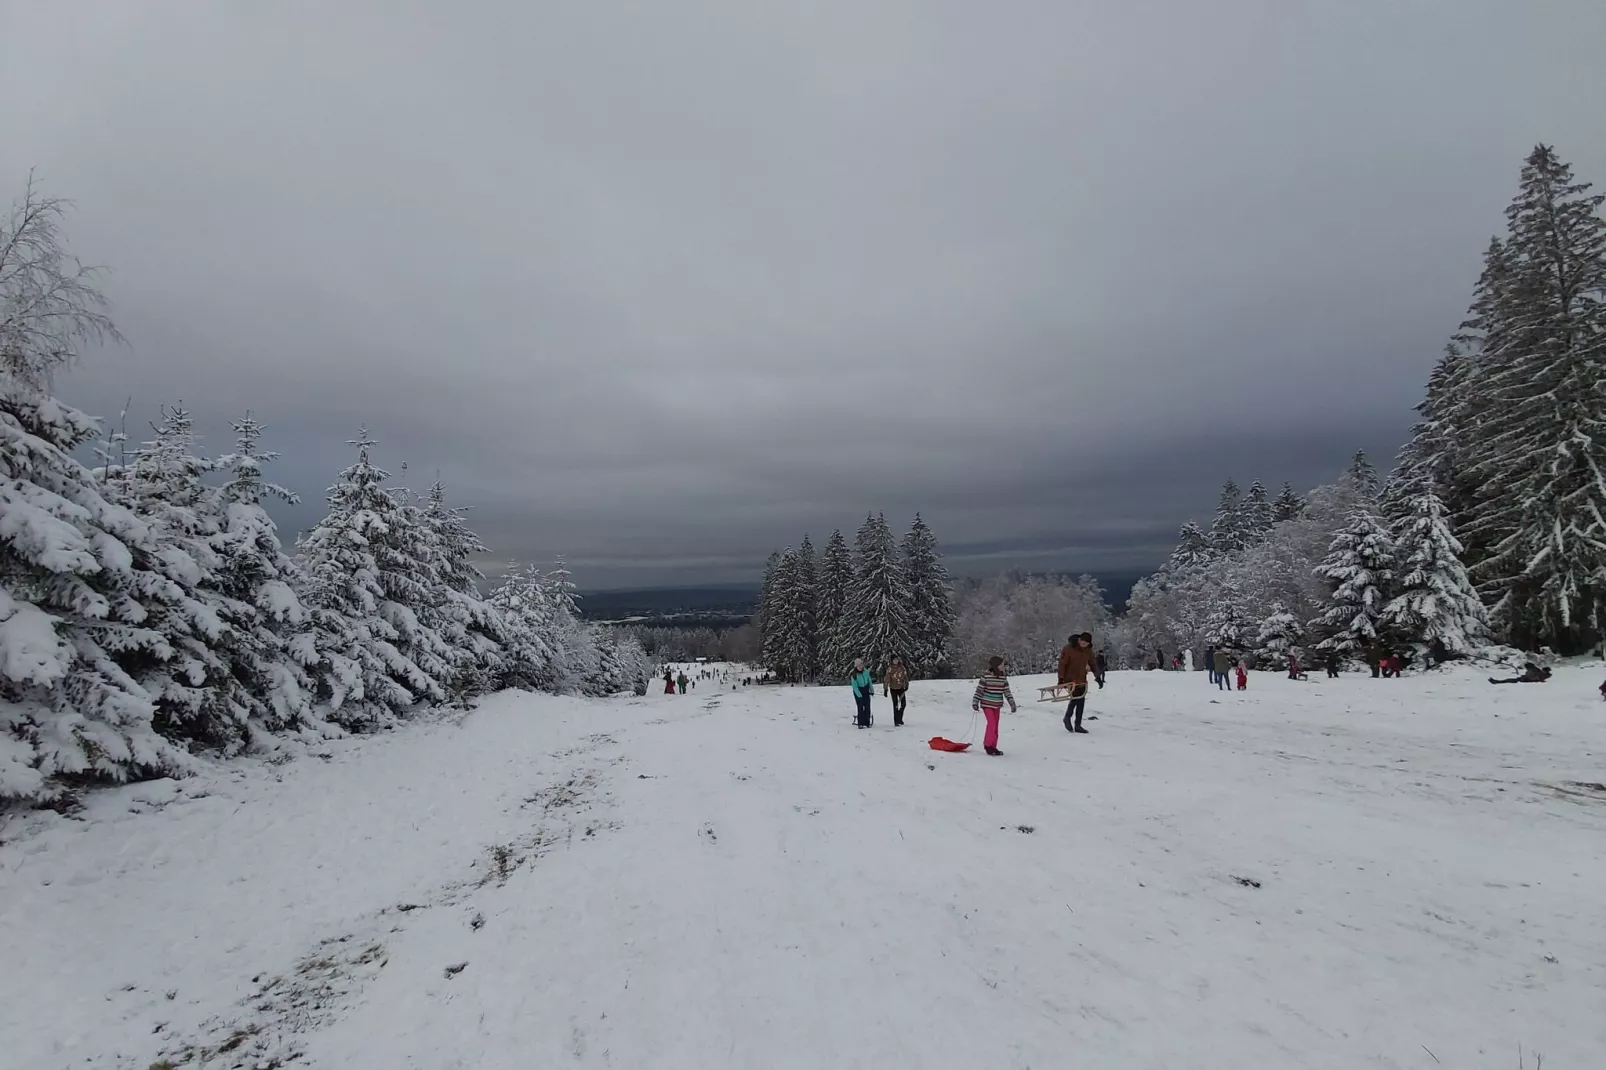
(661, 286)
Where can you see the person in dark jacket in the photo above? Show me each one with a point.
(1101, 665)
(669, 682)
(895, 683)
(1531, 674)
(1076, 661)
(1210, 662)
(1332, 665)
(1223, 667)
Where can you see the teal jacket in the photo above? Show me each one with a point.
(861, 682)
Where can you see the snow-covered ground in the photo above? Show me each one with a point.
(1388, 873)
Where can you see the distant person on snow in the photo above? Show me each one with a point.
(992, 691)
(1603, 691)
(1332, 665)
(1531, 674)
(1222, 663)
(1210, 662)
(1101, 665)
(1294, 671)
(895, 682)
(1076, 660)
(863, 687)
(669, 682)
(1243, 675)
(681, 680)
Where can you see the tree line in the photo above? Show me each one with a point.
(885, 598)
(149, 609)
(1492, 526)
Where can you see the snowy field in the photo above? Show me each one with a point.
(1378, 873)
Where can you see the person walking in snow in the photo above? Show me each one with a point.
(1332, 665)
(681, 680)
(1222, 663)
(863, 687)
(1101, 665)
(1076, 660)
(1243, 675)
(669, 682)
(992, 691)
(895, 683)
(1210, 662)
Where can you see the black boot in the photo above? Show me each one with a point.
(994, 752)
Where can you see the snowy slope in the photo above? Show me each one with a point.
(742, 879)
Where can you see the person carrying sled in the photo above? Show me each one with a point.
(895, 683)
(863, 687)
(992, 691)
(1076, 659)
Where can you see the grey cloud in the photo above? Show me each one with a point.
(663, 286)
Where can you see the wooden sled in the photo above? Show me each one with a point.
(1054, 693)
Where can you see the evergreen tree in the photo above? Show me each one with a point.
(931, 613)
(769, 630)
(876, 625)
(805, 597)
(1257, 514)
(1362, 477)
(1286, 506)
(1227, 534)
(529, 658)
(1193, 549)
(270, 651)
(361, 590)
(472, 629)
(1359, 564)
(1538, 460)
(74, 567)
(834, 584)
(1436, 600)
(788, 620)
(1279, 636)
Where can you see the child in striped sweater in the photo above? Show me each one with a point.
(992, 691)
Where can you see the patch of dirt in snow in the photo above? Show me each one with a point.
(267, 1029)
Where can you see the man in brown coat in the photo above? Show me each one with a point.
(1076, 661)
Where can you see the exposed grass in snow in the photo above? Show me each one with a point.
(1392, 873)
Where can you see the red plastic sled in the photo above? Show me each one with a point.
(939, 743)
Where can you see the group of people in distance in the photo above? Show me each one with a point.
(1078, 663)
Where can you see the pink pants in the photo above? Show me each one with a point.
(989, 738)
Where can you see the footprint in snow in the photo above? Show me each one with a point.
(708, 833)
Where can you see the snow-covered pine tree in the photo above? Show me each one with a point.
(1225, 626)
(573, 646)
(269, 648)
(1436, 600)
(361, 589)
(1362, 477)
(1287, 505)
(1258, 516)
(791, 640)
(73, 565)
(1538, 459)
(834, 583)
(768, 614)
(1193, 549)
(931, 613)
(1360, 564)
(529, 660)
(805, 598)
(473, 630)
(1279, 635)
(876, 625)
(1227, 534)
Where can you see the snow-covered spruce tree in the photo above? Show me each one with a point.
(791, 641)
(472, 629)
(361, 592)
(574, 648)
(833, 585)
(1360, 565)
(876, 624)
(1436, 600)
(1227, 534)
(1279, 635)
(1193, 549)
(74, 567)
(768, 614)
(1287, 505)
(931, 609)
(270, 651)
(621, 663)
(1538, 461)
(805, 600)
(1257, 513)
(1362, 476)
(529, 658)
(1225, 626)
